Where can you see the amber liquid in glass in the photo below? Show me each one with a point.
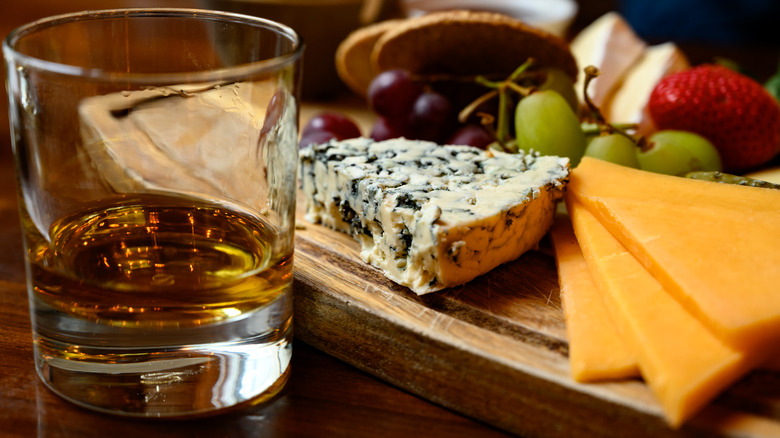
(127, 286)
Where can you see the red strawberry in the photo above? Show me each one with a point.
(733, 111)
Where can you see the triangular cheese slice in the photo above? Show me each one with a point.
(630, 100)
(713, 246)
(682, 362)
(596, 350)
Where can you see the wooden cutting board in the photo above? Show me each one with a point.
(494, 349)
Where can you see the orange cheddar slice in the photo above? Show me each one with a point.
(682, 362)
(715, 247)
(596, 351)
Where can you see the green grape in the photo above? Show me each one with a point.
(677, 153)
(545, 123)
(557, 80)
(615, 148)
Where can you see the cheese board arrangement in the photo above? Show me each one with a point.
(545, 260)
(495, 349)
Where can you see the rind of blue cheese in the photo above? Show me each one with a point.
(431, 216)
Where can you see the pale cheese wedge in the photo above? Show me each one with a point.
(596, 350)
(628, 103)
(611, 45)
(713, 246)
(682, 362)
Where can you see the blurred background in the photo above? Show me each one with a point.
(743, 31)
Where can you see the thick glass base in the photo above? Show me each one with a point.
(169, 382)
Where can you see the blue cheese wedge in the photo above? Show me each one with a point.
(431, 216)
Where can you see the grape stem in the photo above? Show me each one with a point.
(500, 89)
(464, 114)
(591, 73)
(605, 128)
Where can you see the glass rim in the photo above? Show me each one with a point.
(264, 65)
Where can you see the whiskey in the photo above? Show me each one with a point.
(161, 305)
(158, 261)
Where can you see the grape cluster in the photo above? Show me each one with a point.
(666, 151)
(531, 110)
(406, 108)
(452, 110)
(669, 152)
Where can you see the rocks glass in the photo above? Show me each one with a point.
(156, 154)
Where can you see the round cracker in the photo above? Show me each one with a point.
(464, 42)
(353, 55)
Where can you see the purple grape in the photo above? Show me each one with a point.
(472, 135)
(385, 129)
(392, 93)
(316, 137)
(341, 126)
(432, 117)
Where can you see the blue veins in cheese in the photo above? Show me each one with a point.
(431, 216)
